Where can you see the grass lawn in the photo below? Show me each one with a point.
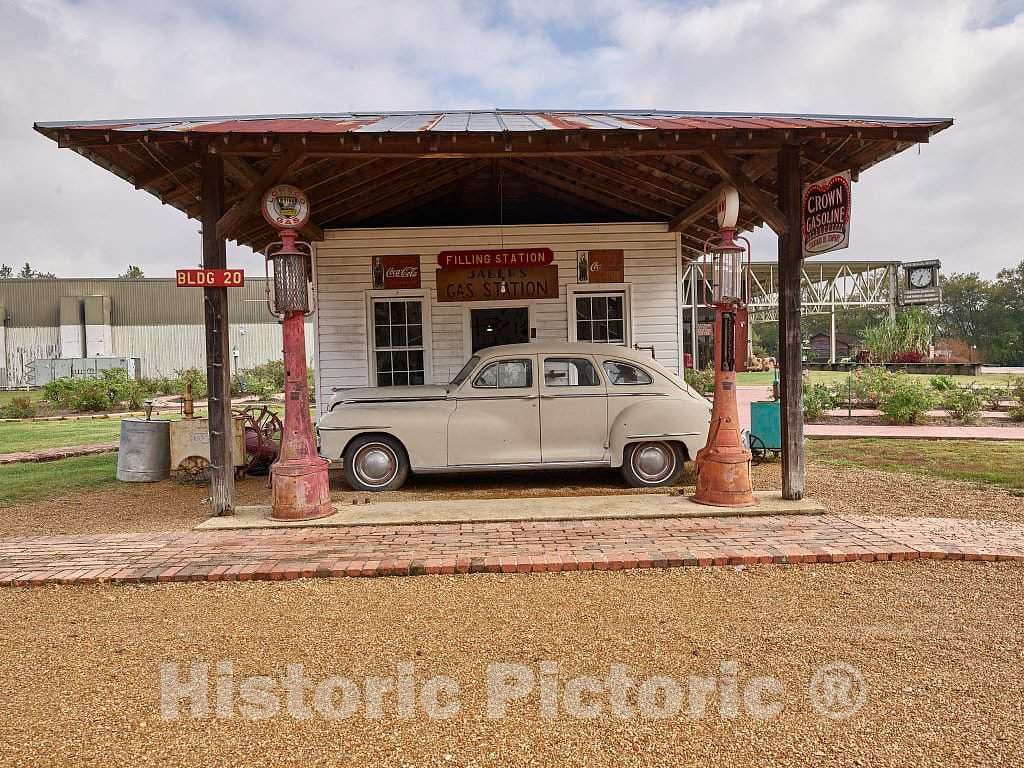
(6, 395)
(992, 462)
(20, 483)
(33, 435)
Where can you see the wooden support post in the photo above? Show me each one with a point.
(790, 342)
(218, 353)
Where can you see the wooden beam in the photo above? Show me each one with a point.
(753, 169)
(790, 343)
(162, 171)
(732, 171)
(674, 194)
(250, 201)
(218, 351)
(410, 190)
(547, 178)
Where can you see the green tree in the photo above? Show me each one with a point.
(988, 314)
(132, 273)
(27, 273)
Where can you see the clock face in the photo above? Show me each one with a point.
(921, 277)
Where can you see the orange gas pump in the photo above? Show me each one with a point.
(723, 465)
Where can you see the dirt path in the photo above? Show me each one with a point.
(938, 646)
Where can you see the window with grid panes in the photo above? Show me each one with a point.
(600, 318)
(398, 341)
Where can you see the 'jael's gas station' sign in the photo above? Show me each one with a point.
(210, 278)
(825, 214)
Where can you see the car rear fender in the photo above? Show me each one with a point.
(678, 421)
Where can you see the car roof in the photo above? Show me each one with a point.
(567, 348)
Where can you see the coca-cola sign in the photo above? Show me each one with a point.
(496, 258)
(826, 214)
(604, 266)
(396, 272)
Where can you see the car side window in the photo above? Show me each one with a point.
(570, 372)
(624, 373)
(506, 374)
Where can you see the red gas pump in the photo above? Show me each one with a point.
(723, 465)
(299, 476)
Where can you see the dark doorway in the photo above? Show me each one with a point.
(492, 327)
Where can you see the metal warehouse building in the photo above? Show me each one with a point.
(150, 319)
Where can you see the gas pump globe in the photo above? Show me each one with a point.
(723, 465)
(299, 476)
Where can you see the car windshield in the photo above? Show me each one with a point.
(462, 375)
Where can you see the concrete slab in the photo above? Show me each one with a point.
(629, 506)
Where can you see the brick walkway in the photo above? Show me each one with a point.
(52, 454)
(496, 547)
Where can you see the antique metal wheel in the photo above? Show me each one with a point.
(194, 469)
(757, 450)
(262, 429)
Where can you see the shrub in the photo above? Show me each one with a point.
(908, 332)
(59, 392)
(1016, 390)
(963, 403)
(993, 396)
(272, 372)
(311, 383)
(198, 379)
(817, 399)
(872, 384)
(259, 386)
(942, 383)
(1016, 413)
(908, 357)
(90, 395)
(906, 402)
(702, 381)
(19, 407)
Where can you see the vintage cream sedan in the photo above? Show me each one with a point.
(522, 406)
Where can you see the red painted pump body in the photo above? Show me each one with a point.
(723, 465)
(299, 476)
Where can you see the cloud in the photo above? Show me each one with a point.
(956, 201)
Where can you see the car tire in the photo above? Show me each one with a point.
(375, 463)
(652, 464)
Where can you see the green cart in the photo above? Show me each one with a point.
(765, 430)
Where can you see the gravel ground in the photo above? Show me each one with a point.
(939, 646)
(173, 505)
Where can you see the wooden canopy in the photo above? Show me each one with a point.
(498, 166)
(450, 168)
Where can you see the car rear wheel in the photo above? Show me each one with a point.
(652, 464)
(375, 463)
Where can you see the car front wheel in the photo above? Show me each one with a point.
(652, 464)
(375, 463)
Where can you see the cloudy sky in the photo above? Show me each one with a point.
(959, 199)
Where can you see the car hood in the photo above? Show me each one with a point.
(390, 394)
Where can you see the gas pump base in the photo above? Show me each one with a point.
(301, 490)
(723, 477)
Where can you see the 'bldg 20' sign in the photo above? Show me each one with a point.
(825, 214)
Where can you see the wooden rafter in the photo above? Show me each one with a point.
(408, 190)
(241, 210)
(614, 190)
(753, 169)
(550, 178)
(640, 181)
(732, 171)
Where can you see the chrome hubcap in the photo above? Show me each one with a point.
(654, 462)
(375, 464)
